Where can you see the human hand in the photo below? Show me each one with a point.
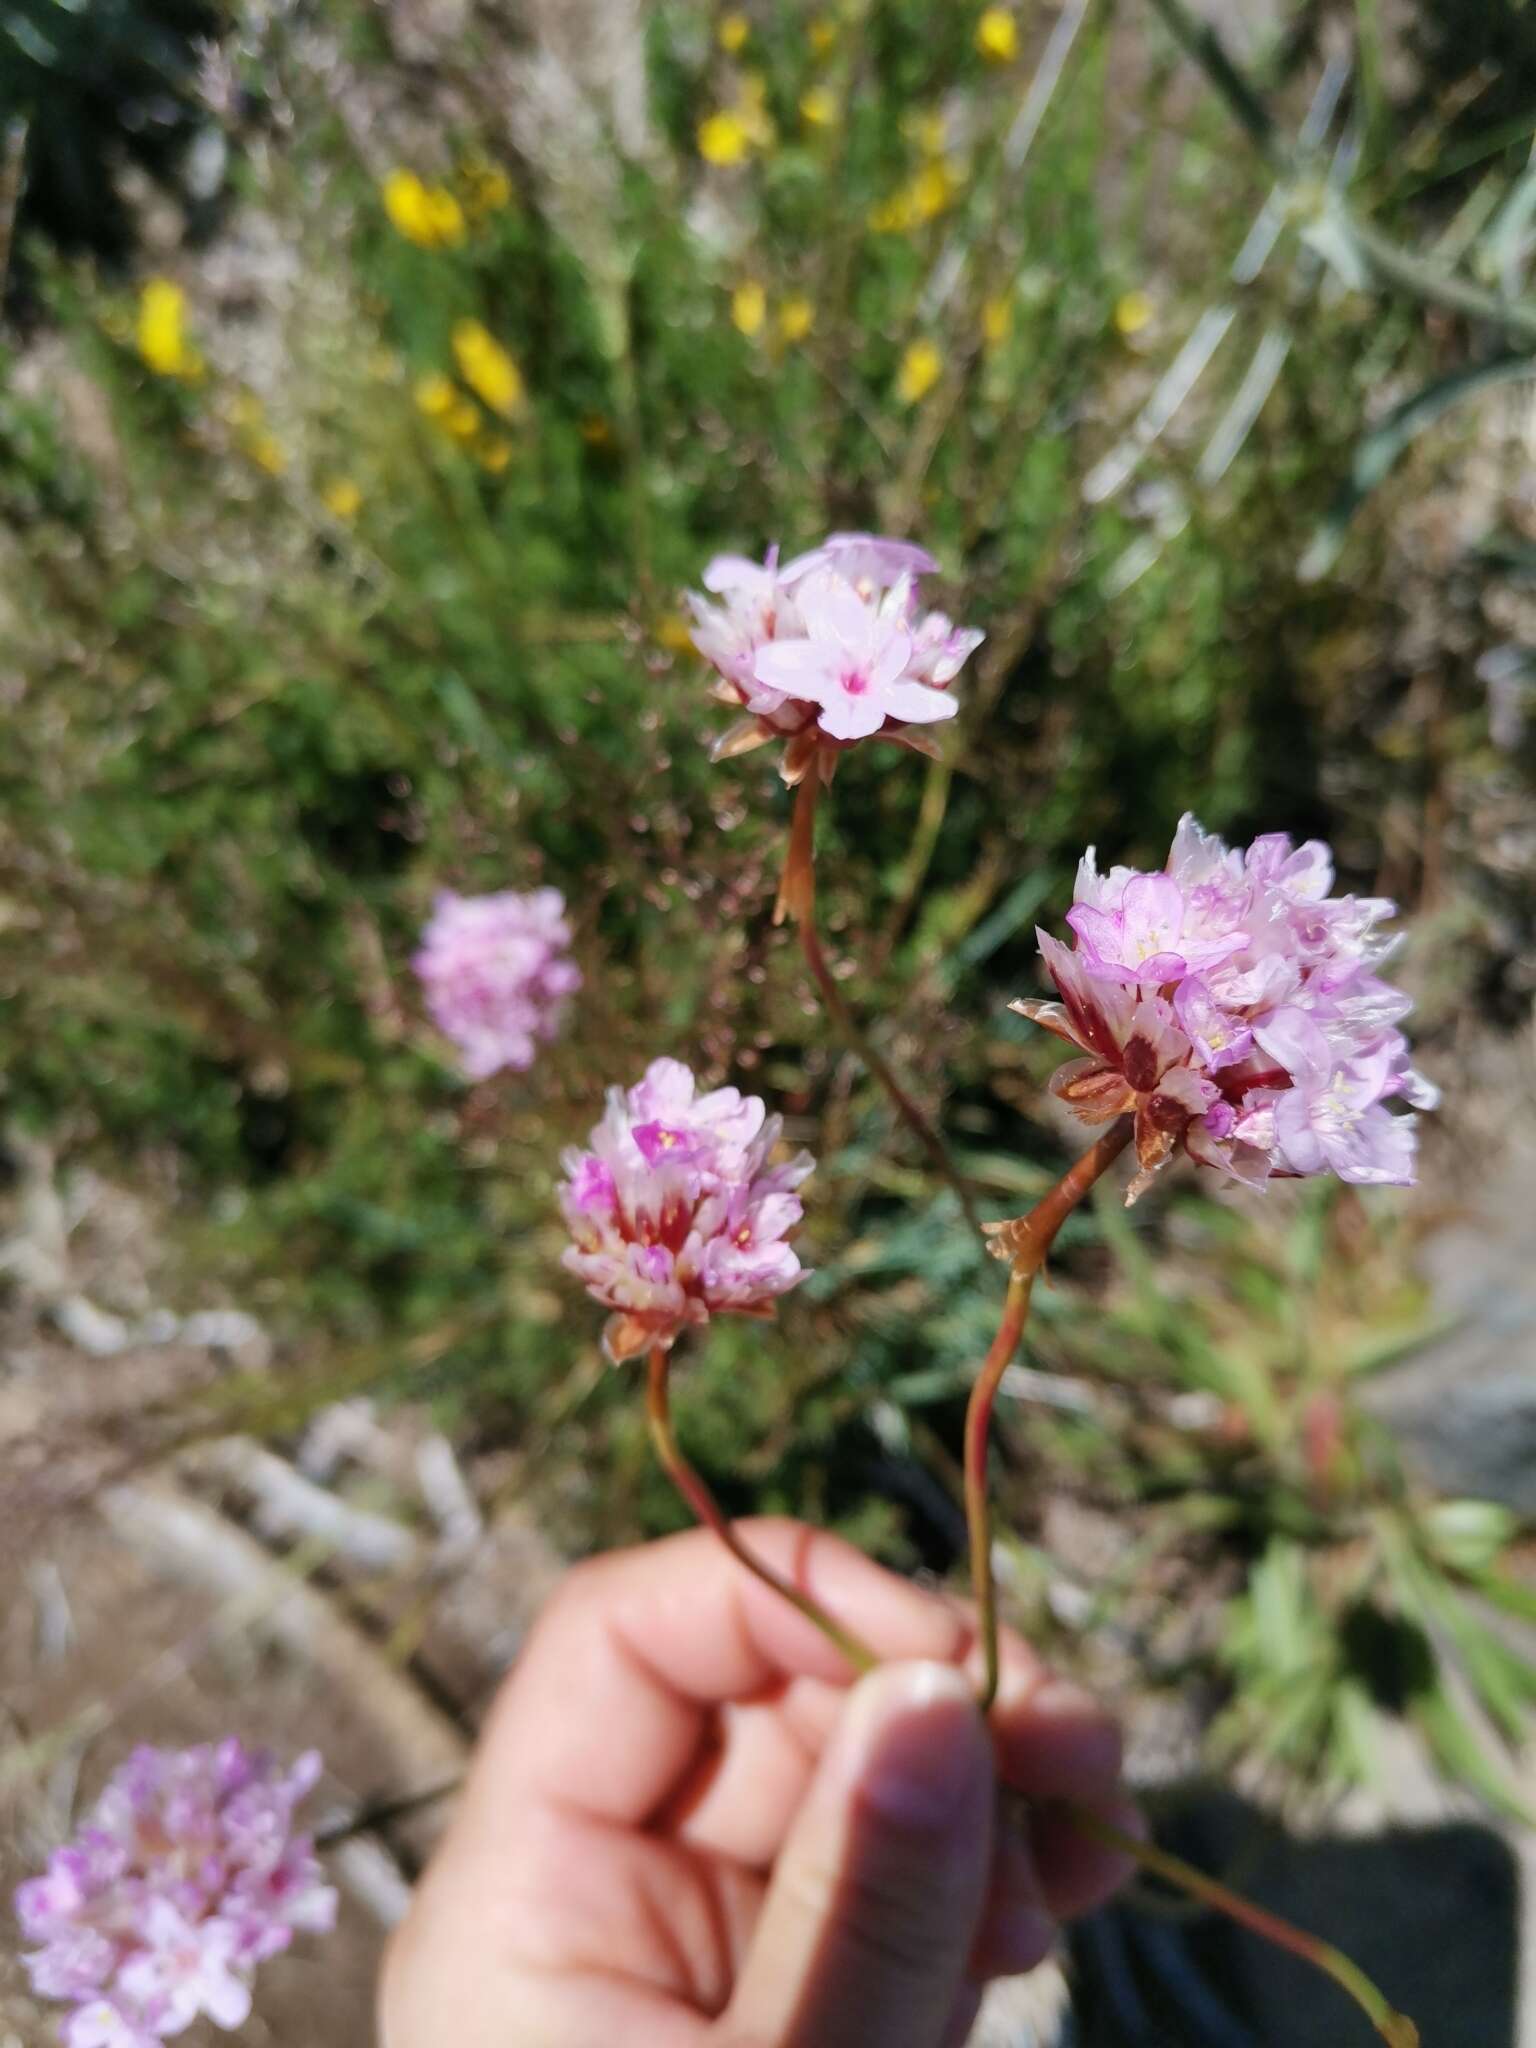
(688, 1827)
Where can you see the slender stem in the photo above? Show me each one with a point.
(1393, 2026)
(797, 897)
(1027, 1242)
(978, 1500)
(379, 1813)
(710, 1513)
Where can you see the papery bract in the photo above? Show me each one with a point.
(676, 1212)
(828, 649)
(187, 1874)
(497, 974)
(1231, 1005)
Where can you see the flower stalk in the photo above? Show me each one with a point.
(1394, 2027)
(797, 899)
(1025, 1243)
(707, 1509)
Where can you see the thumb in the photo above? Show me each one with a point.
(878, 1892)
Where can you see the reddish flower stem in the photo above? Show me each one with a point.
(797, 899)
(1028, 1241)
(713, 1517)
(1394, 2027)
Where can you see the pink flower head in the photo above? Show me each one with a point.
(828, 649)
(1230, 1005)
(676, 1214)
(496, 971)
(185, 1876)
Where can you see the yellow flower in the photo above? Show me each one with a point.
(927, 130)
(895, 215)
(921, 368)
(818, 107)
(932, 190)
(267, 453)
(997, 36)
(435, 395)
(1133, 312)
(797, 316)
(493, 453)
(997, 320)
(245, 412)
(752, 111)
(486, 368)
(161, 333)
(821, 35)
(486, 187)
(733, 32)
(427, 215)
(723, 138)
(461, 420)
(674, 634)
(927, 195)
(341, 498)
(749, 308)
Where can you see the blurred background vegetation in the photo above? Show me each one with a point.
(376, 378)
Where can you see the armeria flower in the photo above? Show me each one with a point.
(497, 972)
(187, 1874)
(828, 649)
(1232, 1006)
(676, 1214)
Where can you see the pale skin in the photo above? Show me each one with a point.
(689, 1826)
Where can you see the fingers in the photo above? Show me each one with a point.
(1055, 1743)
(623, 1672)
(874, 1906)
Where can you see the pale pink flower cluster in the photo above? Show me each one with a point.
(185, 1877)
(1232, 1005)
(830, 648)
(497, 971)
(676, 1213)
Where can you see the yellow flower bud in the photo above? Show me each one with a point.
(797, 316)
(733, 32)
(723, 139)
(749, 308)
(818, 107)
(434, 395)
(486, 368)
(921, 368)
(821, 34)
(427, 215)
(997, 36)
(675, 634)
(341, 498)
(486, 187)
(493, 453)
(267, 453)
(997, 320)
(161, 332)
(1133, 311)
(462, 420)
(933, 189)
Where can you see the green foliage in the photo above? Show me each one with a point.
(291, 652)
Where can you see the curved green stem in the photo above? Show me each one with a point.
(713, 1517)
(1393, 2026)
(797, 899)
